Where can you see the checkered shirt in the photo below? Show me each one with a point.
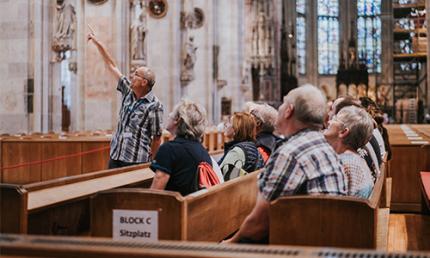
(303, 164)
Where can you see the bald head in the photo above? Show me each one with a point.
(309, 104)
(147, 74)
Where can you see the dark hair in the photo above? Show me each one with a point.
(346, 102)
(366, 102)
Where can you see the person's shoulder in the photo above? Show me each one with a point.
(156, 103)
(166, 146)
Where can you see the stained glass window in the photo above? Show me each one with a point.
(328, 36)
(369, 33)
(301, 35)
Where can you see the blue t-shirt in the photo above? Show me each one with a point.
(179, 158)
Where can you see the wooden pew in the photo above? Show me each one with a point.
(209, 215)
(425, 188)
(44, 147)
(56, 206)
(61, 206)
(22, 150)
(410, 156)
(44, 246)
(334, 221)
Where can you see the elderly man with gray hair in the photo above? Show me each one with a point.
(303, 163)
(348, 130)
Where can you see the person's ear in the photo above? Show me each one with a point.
(344, 133)
(289, 111)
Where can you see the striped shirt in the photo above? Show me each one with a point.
(303, 164)
(139, 121)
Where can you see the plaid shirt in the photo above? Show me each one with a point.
(303, 164)
(140, 120)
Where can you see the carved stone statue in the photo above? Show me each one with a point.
(138, 33)
(64, 29)
(189, 60)
(261, 28)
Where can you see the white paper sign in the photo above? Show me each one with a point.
(419, 142)
(134, 225)
(414, 138)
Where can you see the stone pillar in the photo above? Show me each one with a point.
(14, 68)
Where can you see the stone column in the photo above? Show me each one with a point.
(14, 71)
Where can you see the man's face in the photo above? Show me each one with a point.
(138, 81)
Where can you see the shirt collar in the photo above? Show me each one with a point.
(149, 97)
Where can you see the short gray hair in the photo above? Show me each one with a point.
(265, 114)
(309, 105)
(192, 119)
(359, 123)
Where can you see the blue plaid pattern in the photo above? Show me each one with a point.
(139, 121)
(303, 164)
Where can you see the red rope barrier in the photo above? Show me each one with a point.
(38, 162)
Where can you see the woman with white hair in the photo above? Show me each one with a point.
(265, 118)
(349, 130)
(177, 161)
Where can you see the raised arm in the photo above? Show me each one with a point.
(107, 58)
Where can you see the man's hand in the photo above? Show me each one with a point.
(91, 36)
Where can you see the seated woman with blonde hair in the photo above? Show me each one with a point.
(241, 153)
(177, 161)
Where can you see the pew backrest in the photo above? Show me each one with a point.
(207, 215)
(40, 197)
(325, 220)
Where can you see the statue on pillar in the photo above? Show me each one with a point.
(138, 34)
(189, 60)
(65, 27)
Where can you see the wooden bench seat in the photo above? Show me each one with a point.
(336, 221)
(425, 187)
(208, 215)
(61, 206)
(45, 246)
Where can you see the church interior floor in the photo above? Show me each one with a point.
(409, 232)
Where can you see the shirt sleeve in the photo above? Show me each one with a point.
(282, 175)
(163, 160)
(217, 170)
(123, 85)
(155, 126)
(235, 157)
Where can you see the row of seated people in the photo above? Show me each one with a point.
(305, 159)
(251, 142)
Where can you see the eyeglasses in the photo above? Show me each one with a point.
(135, 74)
